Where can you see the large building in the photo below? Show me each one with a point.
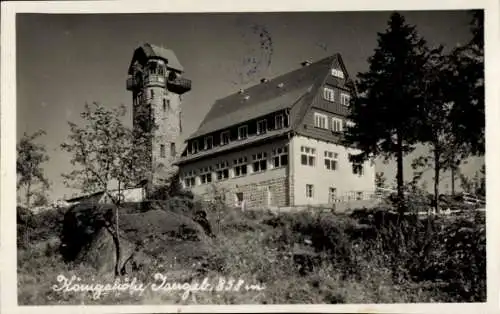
(278, 143)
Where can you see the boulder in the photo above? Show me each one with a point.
(152, 235)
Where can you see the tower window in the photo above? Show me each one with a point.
(162, 151)
(166, 104)
(172, 150)
(152, 92)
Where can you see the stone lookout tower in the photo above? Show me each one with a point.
(156, 82)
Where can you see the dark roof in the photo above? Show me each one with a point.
(265, 98)
(147, 51)
(86, 197)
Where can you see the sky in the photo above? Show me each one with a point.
(64, 61)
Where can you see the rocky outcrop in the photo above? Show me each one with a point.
(88, 237)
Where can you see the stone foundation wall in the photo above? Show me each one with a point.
(268, 193)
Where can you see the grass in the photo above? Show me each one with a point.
(298, 258)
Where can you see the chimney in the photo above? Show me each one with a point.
(264, 80)
(241, 91)
(306, 63)
(280, 85)
(247, 97)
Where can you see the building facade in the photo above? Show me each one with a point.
(279, 143)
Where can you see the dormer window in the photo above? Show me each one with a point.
(194, 145)
(224, 138)
(261, 126)
(242, 132)
(278, 121)
(209, 142)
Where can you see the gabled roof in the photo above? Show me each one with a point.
(279, 93)
(147, 51)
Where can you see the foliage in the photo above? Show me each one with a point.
(104, 149)
(30, 157)
(380, 180)
(385, 109)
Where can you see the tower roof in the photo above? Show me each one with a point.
(147, 51)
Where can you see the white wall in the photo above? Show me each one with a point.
(129, 195)
(322, 179)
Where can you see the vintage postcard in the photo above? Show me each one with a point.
(275, 157)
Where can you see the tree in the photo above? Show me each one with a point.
(467, 80)
(385, 106)
(30, 157)
(105, 150)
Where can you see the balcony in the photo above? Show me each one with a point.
(179, 85)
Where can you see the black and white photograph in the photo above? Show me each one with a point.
(322, 157)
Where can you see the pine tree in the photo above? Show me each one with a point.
(385, 109)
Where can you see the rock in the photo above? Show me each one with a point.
(144, 237)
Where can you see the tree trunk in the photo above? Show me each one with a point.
(437, 169)
(399, 174)
(28, 195)
(118, 270)
(453, 174)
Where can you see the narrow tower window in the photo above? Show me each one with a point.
(172, 149)
(162, 151)
(152, 93)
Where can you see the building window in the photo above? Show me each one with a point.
(206, 175)
(224, 138)
(259, 162)
(331, 160)
(337, 73)
(240, 167)
(345, 99)
(357, 168)
(336, 125)
(278, 121)
(329, 94)
(222, 171)
(194, 145)
(280, 157)
(242, 132)
(348, 124)
(308, 156)
(209, 142)
(190, 178)
(359, 196)
(261, 126)
(173, 152)
(309, 190)
(162, 151)
(332, 195)
(320, 121)
(152, 93)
